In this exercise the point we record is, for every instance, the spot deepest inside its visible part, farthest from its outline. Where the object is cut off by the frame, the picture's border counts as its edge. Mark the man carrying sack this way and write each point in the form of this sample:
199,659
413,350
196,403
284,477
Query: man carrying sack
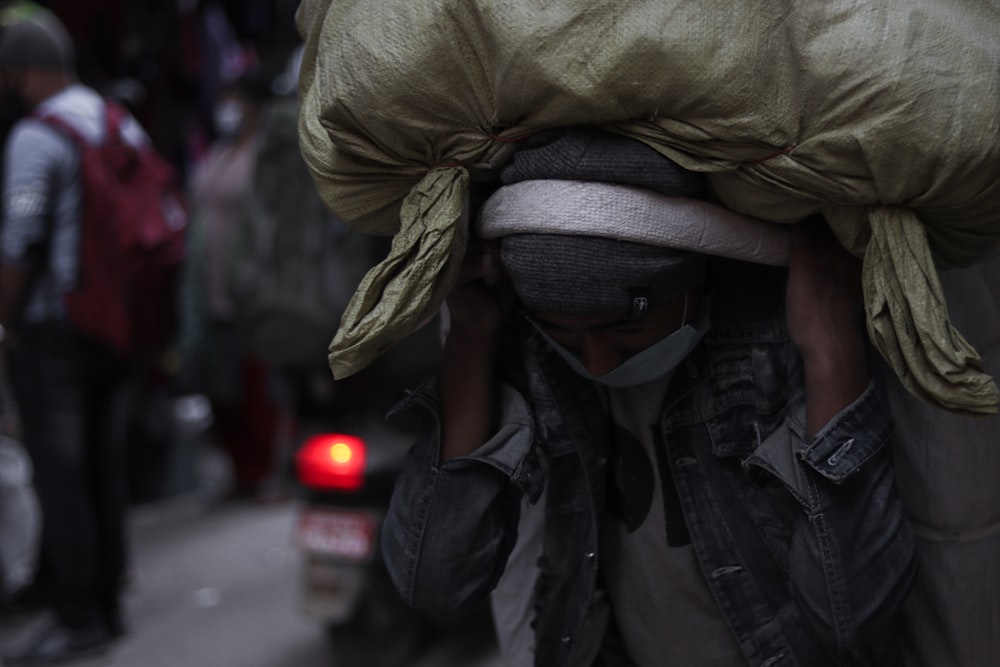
645,450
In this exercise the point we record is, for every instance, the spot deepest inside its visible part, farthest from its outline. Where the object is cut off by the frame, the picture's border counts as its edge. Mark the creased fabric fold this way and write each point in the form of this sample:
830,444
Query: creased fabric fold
858,111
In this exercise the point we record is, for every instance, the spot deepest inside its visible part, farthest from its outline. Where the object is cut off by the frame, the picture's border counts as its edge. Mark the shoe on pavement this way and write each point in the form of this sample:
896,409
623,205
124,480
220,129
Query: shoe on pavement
57,642
114,623
29,599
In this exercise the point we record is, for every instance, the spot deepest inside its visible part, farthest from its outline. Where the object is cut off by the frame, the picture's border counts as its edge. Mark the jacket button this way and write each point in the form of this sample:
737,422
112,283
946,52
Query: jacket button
566,639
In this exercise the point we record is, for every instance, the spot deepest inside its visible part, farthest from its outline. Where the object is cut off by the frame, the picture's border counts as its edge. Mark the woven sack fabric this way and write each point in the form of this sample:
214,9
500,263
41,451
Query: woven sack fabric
883,116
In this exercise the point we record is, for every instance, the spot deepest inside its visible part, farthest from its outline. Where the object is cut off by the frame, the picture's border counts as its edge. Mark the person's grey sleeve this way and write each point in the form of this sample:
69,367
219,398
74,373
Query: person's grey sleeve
31,157
451,525
852,555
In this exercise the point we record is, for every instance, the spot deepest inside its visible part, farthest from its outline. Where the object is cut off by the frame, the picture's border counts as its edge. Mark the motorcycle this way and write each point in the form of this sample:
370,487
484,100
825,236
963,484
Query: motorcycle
347,480
345,468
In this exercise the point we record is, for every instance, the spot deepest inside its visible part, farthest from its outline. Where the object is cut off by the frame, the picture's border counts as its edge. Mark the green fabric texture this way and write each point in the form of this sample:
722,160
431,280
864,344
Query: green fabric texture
404,291
883,116
907,318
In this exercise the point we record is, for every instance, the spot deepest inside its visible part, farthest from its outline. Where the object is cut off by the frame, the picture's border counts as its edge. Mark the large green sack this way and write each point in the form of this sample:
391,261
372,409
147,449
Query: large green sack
884,116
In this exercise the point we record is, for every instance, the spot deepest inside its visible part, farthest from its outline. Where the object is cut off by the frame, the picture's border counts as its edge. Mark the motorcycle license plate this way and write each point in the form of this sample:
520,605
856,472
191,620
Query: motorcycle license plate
342,533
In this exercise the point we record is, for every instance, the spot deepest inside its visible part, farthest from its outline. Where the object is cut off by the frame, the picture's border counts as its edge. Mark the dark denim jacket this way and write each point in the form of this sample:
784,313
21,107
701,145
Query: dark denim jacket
802,543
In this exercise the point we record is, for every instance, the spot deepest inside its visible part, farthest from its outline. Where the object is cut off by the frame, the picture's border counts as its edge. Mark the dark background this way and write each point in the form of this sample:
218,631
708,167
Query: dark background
168,58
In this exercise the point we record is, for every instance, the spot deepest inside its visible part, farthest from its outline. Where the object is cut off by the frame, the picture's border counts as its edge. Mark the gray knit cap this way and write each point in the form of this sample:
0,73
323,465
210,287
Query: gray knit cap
590,154
592,275
592,222
39,40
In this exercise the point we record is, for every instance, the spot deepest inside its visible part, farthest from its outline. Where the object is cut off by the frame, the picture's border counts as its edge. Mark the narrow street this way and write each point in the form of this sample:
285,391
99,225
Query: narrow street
218,586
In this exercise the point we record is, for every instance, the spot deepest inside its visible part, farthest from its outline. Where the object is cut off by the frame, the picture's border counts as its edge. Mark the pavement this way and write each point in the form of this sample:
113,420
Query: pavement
218,586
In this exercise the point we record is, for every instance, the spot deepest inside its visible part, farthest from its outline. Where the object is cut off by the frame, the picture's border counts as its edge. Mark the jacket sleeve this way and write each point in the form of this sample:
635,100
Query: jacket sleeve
451,526
851,557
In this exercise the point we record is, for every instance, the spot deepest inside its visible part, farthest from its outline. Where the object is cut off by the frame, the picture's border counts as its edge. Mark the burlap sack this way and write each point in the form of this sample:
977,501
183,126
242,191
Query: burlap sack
884,116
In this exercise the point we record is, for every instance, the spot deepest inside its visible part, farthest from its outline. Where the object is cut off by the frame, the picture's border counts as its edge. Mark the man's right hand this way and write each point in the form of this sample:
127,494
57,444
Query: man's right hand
825,321
482,297
478,306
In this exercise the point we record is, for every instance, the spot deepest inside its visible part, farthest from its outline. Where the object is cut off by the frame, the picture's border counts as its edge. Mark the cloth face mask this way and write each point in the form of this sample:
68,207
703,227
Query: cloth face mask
651,364
228,118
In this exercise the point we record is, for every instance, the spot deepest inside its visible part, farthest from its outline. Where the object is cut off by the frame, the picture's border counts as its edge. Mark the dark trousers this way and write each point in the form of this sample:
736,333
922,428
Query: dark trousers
71,397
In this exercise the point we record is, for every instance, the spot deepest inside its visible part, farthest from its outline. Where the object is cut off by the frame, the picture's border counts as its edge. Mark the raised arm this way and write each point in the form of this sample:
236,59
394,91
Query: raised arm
476,309
824,307
852,559
453,516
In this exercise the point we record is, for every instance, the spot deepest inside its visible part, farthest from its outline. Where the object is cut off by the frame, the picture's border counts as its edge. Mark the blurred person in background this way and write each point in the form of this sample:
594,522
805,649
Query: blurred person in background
216,359
70,389
11,528
291,266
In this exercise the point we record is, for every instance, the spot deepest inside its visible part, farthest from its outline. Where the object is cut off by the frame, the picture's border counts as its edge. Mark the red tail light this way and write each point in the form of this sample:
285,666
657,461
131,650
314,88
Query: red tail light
332,461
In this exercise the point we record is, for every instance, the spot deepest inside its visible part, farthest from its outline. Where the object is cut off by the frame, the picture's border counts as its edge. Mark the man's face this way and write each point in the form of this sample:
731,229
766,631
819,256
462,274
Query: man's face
10,78
602,343
12,103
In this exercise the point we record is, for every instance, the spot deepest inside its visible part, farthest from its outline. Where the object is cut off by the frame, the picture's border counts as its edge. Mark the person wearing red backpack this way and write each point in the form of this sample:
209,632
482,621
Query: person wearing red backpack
70,388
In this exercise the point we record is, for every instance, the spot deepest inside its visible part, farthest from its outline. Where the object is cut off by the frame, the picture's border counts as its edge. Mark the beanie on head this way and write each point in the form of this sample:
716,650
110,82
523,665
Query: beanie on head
587,182
592,275
39,40
592,222
590,154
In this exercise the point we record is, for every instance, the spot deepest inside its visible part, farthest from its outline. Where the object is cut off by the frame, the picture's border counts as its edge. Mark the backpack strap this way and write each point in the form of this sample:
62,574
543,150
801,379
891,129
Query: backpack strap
60,123
114,115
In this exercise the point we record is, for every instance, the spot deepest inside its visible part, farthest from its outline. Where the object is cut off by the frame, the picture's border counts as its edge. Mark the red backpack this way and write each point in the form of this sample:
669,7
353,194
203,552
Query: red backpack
132,243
